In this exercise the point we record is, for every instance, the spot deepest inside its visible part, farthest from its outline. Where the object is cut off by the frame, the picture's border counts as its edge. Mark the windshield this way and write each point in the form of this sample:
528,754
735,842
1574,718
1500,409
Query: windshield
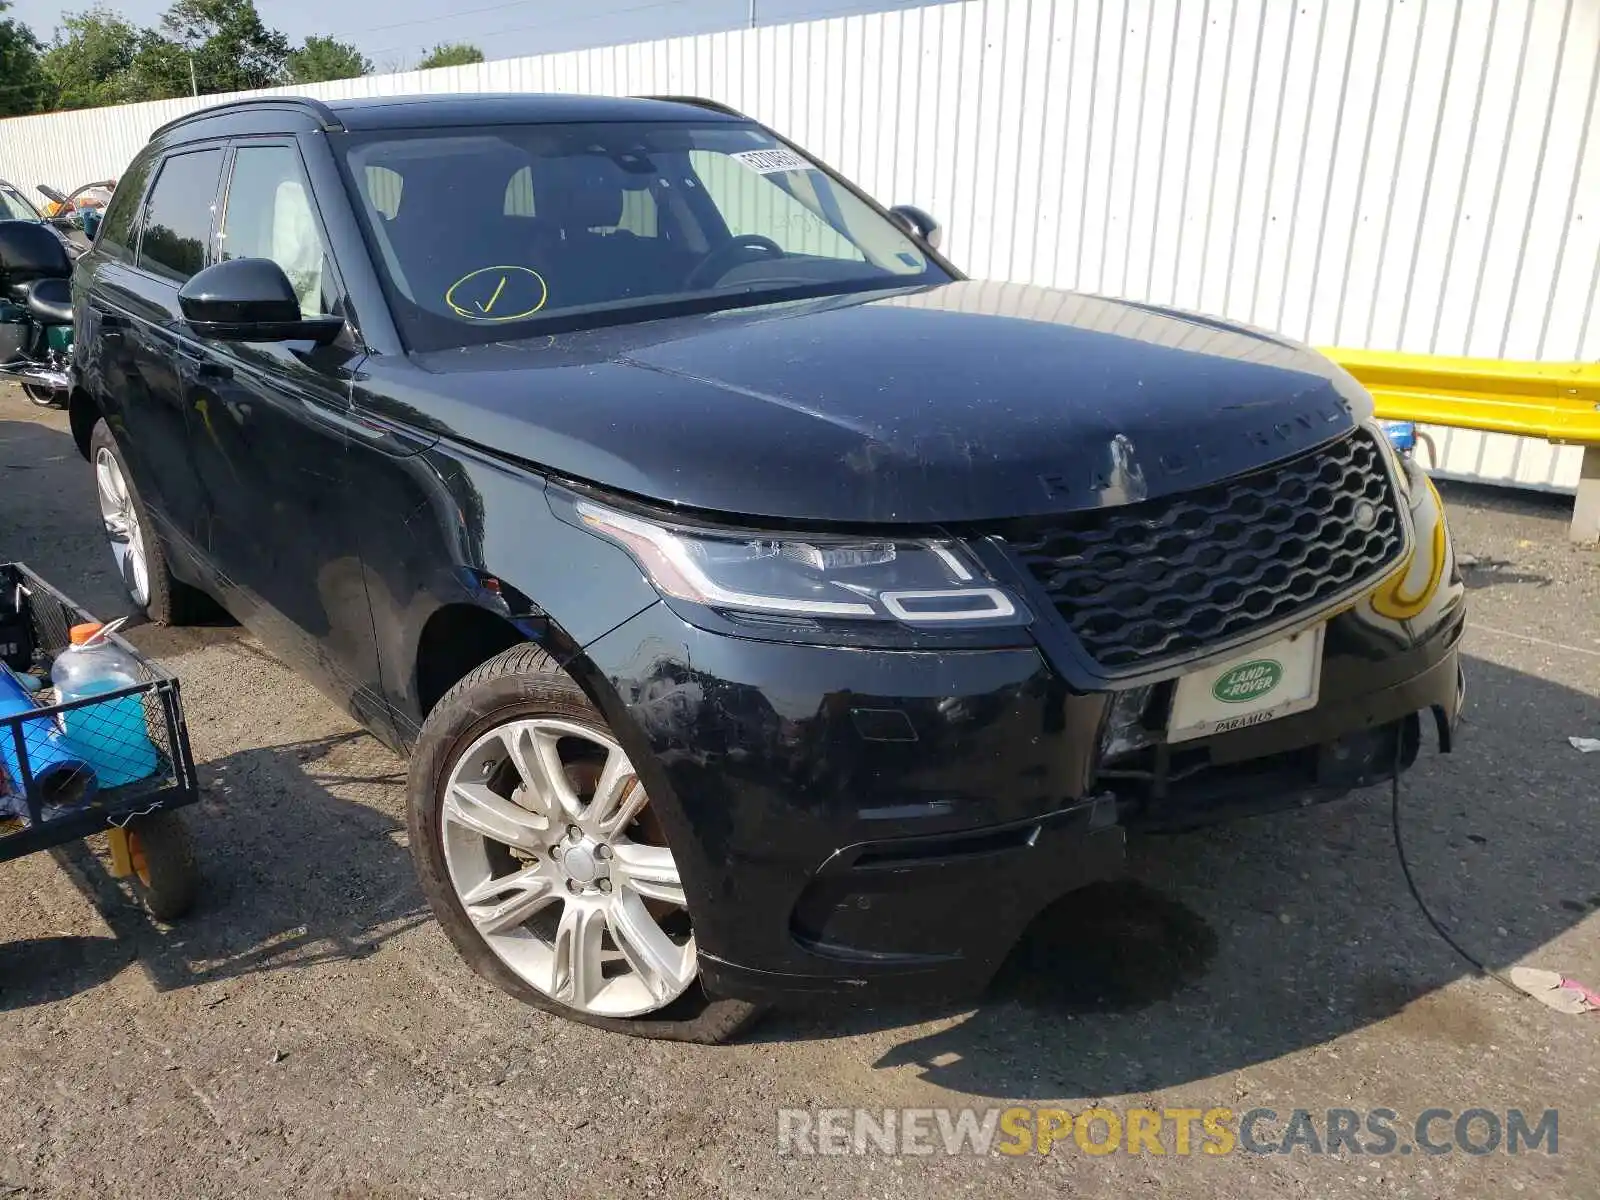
486,234
14,206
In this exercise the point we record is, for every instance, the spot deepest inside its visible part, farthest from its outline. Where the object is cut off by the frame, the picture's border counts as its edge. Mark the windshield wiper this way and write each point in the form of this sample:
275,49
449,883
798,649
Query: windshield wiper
648,309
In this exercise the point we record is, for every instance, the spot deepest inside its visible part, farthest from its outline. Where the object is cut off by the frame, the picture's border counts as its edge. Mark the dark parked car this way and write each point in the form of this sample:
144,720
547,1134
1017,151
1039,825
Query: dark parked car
767,609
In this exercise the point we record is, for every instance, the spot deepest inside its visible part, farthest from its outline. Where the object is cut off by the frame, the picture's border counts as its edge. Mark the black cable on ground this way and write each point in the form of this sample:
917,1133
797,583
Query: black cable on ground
1405,869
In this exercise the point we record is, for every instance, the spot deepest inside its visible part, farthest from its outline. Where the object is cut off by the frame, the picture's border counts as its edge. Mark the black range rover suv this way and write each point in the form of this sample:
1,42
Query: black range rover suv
766,609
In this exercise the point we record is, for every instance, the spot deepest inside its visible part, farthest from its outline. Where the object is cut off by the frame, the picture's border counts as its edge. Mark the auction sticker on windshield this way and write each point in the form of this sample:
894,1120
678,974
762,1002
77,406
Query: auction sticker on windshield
771,162
1269,682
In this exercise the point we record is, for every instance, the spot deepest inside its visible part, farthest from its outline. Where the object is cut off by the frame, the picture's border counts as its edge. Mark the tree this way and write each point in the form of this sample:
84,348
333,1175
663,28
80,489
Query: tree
223,41
24,87
323,58
451,54
89,60
160,69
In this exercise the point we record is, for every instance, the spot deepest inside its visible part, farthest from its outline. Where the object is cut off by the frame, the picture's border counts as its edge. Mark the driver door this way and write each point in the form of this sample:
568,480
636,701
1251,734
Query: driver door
266,440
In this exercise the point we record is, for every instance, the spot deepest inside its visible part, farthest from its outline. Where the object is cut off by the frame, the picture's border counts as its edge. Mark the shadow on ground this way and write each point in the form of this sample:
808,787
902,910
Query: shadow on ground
1555,507
298,871
1499,572
42,970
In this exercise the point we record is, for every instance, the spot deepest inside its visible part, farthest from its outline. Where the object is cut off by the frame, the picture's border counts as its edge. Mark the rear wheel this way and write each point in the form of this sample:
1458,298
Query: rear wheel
140,558
538,851
44,397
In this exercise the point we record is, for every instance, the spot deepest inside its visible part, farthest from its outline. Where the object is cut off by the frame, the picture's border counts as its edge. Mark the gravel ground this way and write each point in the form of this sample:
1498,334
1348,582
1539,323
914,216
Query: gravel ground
309,1031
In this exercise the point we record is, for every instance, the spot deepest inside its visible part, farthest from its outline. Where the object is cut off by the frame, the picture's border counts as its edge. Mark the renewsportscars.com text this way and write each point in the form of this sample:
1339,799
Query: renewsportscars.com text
1170,1131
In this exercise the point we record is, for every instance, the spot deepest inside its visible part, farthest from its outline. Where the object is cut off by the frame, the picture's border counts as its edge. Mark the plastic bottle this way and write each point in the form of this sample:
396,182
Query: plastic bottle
111,736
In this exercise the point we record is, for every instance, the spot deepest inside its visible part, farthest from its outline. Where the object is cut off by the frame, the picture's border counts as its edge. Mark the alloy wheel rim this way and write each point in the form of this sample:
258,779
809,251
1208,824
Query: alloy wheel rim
123,531
555,859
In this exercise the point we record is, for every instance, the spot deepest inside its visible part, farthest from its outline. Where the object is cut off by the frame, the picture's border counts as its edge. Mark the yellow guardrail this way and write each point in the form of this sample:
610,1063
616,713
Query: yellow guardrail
1559,402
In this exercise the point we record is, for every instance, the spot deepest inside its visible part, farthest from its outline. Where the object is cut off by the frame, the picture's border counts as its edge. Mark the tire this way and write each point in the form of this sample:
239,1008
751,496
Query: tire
142,560
44,397
166,876
511,704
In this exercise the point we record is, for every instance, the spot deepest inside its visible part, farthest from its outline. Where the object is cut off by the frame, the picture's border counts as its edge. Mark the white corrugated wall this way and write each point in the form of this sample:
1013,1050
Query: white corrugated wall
1421,175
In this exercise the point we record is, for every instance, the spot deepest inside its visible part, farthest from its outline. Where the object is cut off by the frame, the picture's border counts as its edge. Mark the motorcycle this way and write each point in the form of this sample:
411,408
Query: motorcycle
35,311
37,254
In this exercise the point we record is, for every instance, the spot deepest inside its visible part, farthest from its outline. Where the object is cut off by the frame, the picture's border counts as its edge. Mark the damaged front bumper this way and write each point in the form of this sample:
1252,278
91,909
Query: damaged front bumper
881,825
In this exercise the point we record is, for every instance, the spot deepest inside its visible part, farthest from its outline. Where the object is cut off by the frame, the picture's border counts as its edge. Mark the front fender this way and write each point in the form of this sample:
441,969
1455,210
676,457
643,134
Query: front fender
450,525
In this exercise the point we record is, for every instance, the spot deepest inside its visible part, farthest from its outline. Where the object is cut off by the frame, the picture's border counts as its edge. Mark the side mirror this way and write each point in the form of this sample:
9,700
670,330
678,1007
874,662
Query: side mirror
67,221
250,300
917,223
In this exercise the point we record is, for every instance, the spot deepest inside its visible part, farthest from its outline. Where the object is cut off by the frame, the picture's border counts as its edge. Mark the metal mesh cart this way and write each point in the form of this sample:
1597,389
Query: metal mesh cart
118,760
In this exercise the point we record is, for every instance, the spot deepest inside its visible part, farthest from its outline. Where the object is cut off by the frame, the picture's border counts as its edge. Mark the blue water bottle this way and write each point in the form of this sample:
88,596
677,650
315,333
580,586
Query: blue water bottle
111,736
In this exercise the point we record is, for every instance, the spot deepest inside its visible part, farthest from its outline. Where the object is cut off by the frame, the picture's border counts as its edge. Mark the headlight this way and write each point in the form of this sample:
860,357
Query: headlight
916,582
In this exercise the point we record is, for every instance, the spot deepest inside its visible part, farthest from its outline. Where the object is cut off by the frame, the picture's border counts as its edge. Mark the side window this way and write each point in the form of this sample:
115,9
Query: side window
752,203
269,215
177,217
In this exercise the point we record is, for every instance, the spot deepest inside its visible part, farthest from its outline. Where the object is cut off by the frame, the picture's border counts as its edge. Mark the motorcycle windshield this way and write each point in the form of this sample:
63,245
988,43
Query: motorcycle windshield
14,206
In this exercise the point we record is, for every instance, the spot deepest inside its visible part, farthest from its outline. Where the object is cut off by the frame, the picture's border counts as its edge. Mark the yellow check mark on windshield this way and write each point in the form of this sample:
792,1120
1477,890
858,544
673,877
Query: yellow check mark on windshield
483,308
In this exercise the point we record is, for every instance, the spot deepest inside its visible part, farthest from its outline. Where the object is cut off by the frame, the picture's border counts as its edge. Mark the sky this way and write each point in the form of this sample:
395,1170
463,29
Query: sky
394,34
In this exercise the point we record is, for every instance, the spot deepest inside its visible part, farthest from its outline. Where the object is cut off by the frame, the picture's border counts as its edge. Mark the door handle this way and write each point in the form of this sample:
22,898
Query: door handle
202,365
113,325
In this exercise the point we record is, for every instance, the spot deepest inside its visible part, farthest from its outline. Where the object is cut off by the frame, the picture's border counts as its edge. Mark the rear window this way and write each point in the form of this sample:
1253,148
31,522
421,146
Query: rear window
177,217
480,232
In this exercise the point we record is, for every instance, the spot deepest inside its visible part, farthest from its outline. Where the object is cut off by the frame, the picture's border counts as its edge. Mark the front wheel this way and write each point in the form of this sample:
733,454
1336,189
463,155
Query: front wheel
537,849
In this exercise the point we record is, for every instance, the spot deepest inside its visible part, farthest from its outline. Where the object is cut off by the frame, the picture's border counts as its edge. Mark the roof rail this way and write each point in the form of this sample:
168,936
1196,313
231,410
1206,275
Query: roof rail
698,102
324,115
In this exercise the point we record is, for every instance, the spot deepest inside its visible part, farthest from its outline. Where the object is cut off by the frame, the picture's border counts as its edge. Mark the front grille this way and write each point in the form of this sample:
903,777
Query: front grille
1164,578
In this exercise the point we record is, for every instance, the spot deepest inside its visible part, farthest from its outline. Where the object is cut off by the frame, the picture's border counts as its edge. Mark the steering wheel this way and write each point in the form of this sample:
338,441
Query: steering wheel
730,254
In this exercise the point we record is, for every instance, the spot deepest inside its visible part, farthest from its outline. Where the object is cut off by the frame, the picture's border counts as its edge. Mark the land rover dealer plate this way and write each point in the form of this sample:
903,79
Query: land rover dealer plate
1270,682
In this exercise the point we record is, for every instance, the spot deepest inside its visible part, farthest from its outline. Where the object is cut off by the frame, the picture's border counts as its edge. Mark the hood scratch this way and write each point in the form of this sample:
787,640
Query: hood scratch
857,427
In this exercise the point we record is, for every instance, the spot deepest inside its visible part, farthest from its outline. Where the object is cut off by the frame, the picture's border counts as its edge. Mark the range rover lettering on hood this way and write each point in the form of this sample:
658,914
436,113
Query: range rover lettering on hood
1124,479
962,402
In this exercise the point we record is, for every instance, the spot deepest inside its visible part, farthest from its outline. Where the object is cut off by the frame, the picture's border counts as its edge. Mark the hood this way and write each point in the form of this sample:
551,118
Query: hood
963,402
